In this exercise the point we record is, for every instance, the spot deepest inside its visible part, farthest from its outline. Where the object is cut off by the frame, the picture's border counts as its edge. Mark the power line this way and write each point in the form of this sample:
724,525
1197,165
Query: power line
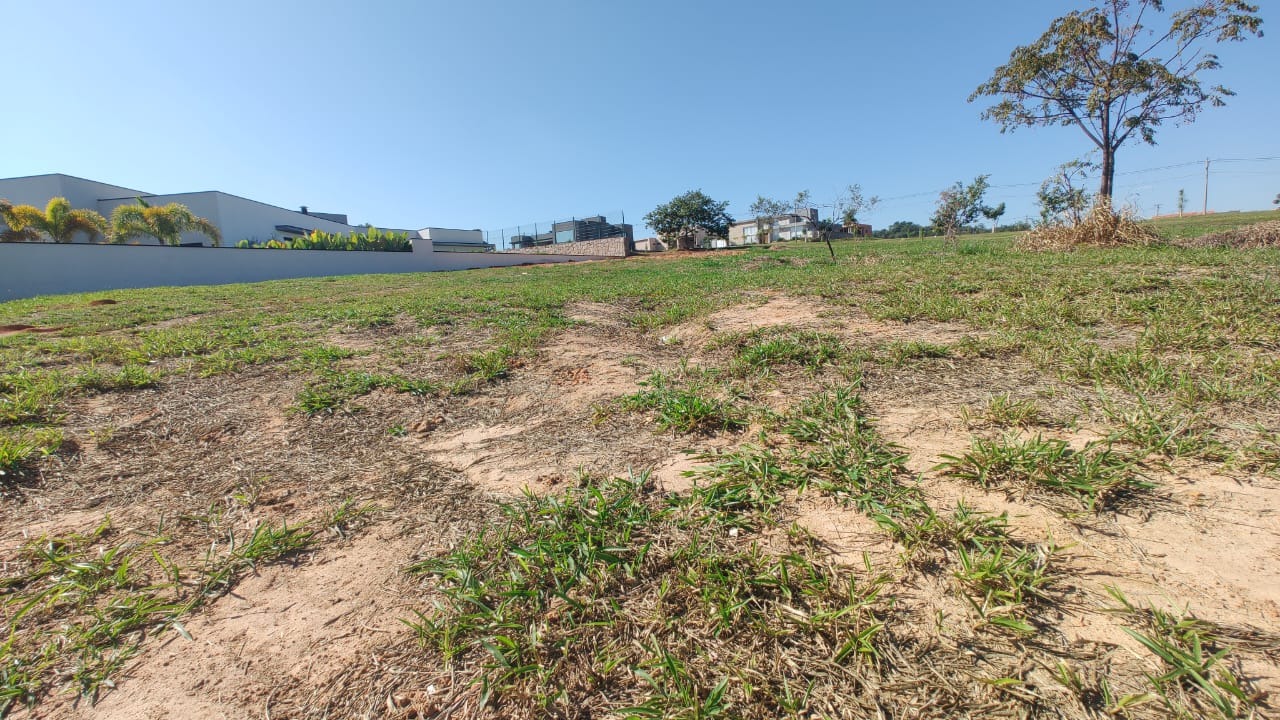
1261,159
1140,171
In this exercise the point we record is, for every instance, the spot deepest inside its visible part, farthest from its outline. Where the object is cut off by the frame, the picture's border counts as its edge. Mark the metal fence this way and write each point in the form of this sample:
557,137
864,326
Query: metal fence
567,229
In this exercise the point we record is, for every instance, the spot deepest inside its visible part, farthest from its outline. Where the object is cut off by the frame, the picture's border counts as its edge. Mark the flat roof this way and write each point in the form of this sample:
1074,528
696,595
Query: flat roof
73,177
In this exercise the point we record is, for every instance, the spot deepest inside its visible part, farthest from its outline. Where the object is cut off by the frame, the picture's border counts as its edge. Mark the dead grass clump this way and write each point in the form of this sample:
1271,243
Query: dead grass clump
1102,227
1260,235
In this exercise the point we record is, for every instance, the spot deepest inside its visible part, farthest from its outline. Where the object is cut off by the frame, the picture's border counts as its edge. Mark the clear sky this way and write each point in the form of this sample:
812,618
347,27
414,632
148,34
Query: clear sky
479,113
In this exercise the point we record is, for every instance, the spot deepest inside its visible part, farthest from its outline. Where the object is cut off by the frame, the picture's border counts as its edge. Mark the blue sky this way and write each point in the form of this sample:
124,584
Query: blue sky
489,114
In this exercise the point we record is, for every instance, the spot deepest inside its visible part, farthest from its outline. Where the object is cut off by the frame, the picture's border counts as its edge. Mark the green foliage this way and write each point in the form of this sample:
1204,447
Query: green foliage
993,214
17,447
372,239
836,450
58,222
165,223
767,211
334,388
1061,198
853,202
648,586
683,410
1104,71
1197,680
760,351
686,214
1003,410
959,205
900,229
1097,476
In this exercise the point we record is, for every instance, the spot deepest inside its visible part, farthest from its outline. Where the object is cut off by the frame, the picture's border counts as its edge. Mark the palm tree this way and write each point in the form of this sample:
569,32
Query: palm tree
165,223
58,222
9,234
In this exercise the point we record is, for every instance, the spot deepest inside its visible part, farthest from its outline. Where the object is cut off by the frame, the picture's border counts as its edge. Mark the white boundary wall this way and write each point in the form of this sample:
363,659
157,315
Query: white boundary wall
32,269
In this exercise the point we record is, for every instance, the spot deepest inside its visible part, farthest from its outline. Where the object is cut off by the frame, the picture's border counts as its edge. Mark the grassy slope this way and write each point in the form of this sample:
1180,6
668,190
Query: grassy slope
1044,306
1192,226
1205,328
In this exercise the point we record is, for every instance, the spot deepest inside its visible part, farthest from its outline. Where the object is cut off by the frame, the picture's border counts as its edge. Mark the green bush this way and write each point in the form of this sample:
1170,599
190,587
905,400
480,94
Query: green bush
373,240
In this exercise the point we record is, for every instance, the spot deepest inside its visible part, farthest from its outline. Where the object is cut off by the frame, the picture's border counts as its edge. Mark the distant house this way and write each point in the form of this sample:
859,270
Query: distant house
791,226
650,244
576,230
452,240
856,230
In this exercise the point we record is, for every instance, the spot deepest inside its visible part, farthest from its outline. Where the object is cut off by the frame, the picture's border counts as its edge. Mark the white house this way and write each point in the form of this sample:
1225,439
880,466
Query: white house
791,226
238,218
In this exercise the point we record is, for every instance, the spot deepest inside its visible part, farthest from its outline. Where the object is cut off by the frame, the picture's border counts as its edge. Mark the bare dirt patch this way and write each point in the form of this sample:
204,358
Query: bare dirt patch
845,533
285,628
774,310
543,427
15,329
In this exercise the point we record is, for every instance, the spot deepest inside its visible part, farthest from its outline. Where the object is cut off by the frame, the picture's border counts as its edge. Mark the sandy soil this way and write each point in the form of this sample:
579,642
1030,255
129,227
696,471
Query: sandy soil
324,633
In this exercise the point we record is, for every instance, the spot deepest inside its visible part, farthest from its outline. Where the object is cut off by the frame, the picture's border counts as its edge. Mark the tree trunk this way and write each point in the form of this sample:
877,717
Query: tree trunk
1108,172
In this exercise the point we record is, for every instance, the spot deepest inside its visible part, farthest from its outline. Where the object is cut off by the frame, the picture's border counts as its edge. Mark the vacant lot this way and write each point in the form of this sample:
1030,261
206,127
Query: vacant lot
921,480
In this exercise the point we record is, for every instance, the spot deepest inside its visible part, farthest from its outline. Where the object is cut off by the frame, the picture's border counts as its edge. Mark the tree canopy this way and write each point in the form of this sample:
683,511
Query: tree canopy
165,223
686,214
767,211
57,222
900,229
959,205
1104,71
853,202
993,214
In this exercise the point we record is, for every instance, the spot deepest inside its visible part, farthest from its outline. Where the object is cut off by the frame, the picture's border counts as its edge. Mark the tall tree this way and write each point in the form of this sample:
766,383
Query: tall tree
685,215
1104,71
58,222
766,211
165,223
959,205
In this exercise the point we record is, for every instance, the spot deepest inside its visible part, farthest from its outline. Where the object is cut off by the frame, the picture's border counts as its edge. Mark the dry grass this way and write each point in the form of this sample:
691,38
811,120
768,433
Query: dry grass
1261,235
1102,227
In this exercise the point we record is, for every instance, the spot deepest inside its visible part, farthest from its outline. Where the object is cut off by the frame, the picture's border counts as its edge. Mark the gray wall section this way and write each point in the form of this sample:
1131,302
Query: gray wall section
32,269
604,247
38,189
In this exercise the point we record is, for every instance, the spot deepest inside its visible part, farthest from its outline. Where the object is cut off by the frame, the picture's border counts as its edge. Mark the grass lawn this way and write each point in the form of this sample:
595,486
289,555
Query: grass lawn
921,480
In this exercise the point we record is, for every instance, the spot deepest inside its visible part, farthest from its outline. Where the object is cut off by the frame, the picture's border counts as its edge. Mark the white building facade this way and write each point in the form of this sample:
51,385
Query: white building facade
792,226
236,217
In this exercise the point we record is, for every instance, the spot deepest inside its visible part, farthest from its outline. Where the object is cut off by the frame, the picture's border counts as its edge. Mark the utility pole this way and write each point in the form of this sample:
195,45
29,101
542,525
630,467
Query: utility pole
1206,187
